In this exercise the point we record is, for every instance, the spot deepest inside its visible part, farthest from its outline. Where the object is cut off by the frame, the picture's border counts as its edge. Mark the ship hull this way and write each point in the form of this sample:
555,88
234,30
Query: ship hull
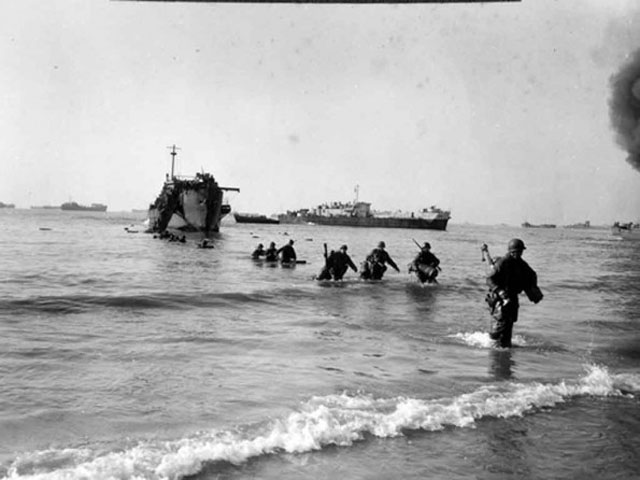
254,219
368,222
198,210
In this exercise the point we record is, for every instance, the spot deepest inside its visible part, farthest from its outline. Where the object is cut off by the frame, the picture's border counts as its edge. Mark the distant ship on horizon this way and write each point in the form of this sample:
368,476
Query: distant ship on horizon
75,206
7,205
586,224
542,225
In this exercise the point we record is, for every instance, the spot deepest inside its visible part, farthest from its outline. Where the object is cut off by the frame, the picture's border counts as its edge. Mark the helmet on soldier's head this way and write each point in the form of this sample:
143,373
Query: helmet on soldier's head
343,247
515,245
381,245
426,245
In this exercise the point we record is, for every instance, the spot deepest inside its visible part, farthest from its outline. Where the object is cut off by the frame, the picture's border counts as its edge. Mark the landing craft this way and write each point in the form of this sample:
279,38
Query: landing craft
193,204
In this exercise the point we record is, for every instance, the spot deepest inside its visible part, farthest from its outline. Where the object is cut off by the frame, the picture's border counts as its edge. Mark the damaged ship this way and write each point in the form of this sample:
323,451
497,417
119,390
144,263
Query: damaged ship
189,204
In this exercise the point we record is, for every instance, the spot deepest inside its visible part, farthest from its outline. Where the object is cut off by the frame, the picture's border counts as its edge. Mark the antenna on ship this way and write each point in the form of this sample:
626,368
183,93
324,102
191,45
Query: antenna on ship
173,157
357,190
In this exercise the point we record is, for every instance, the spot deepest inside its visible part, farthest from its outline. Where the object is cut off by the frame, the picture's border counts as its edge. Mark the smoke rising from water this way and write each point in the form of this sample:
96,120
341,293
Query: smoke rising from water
624,108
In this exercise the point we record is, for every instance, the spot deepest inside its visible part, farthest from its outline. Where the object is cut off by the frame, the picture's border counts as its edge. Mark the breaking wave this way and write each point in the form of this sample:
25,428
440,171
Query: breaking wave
333,420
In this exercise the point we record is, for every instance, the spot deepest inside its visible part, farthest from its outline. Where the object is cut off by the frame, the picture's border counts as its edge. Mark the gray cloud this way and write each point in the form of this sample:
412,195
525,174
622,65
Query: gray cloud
624,108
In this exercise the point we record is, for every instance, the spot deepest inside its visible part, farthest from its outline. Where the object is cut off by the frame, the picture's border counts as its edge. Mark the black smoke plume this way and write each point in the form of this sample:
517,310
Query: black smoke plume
624,108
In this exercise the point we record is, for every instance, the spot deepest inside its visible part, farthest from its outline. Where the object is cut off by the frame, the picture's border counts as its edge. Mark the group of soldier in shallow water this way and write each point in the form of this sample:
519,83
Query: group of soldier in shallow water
286,254
337,262
508,276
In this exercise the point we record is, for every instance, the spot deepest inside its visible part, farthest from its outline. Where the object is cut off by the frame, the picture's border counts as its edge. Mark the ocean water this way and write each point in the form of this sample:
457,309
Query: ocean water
123,356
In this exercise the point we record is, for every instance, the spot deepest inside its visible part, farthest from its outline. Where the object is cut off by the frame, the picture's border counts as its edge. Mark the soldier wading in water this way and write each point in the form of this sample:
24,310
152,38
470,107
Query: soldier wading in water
374,266
425,265
510,275
336,264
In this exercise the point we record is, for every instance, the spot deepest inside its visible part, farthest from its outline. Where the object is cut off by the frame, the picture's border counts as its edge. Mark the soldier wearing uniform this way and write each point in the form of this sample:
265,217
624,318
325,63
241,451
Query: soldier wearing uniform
510,276
425,265
374,266
337,264
258,252
287,253
271,254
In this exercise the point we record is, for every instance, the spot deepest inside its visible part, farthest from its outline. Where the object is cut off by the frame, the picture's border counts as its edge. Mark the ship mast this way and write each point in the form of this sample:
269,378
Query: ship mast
173,157
357,190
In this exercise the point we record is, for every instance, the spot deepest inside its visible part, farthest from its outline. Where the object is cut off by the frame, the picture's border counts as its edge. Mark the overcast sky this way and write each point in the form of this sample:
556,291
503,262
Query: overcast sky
498,111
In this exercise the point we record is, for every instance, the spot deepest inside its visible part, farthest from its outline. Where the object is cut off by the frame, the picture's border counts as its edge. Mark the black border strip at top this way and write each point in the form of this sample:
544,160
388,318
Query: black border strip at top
327,1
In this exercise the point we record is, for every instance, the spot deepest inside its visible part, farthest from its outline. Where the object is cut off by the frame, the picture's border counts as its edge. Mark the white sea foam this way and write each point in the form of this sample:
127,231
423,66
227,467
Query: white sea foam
329,420
475,339
483,340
